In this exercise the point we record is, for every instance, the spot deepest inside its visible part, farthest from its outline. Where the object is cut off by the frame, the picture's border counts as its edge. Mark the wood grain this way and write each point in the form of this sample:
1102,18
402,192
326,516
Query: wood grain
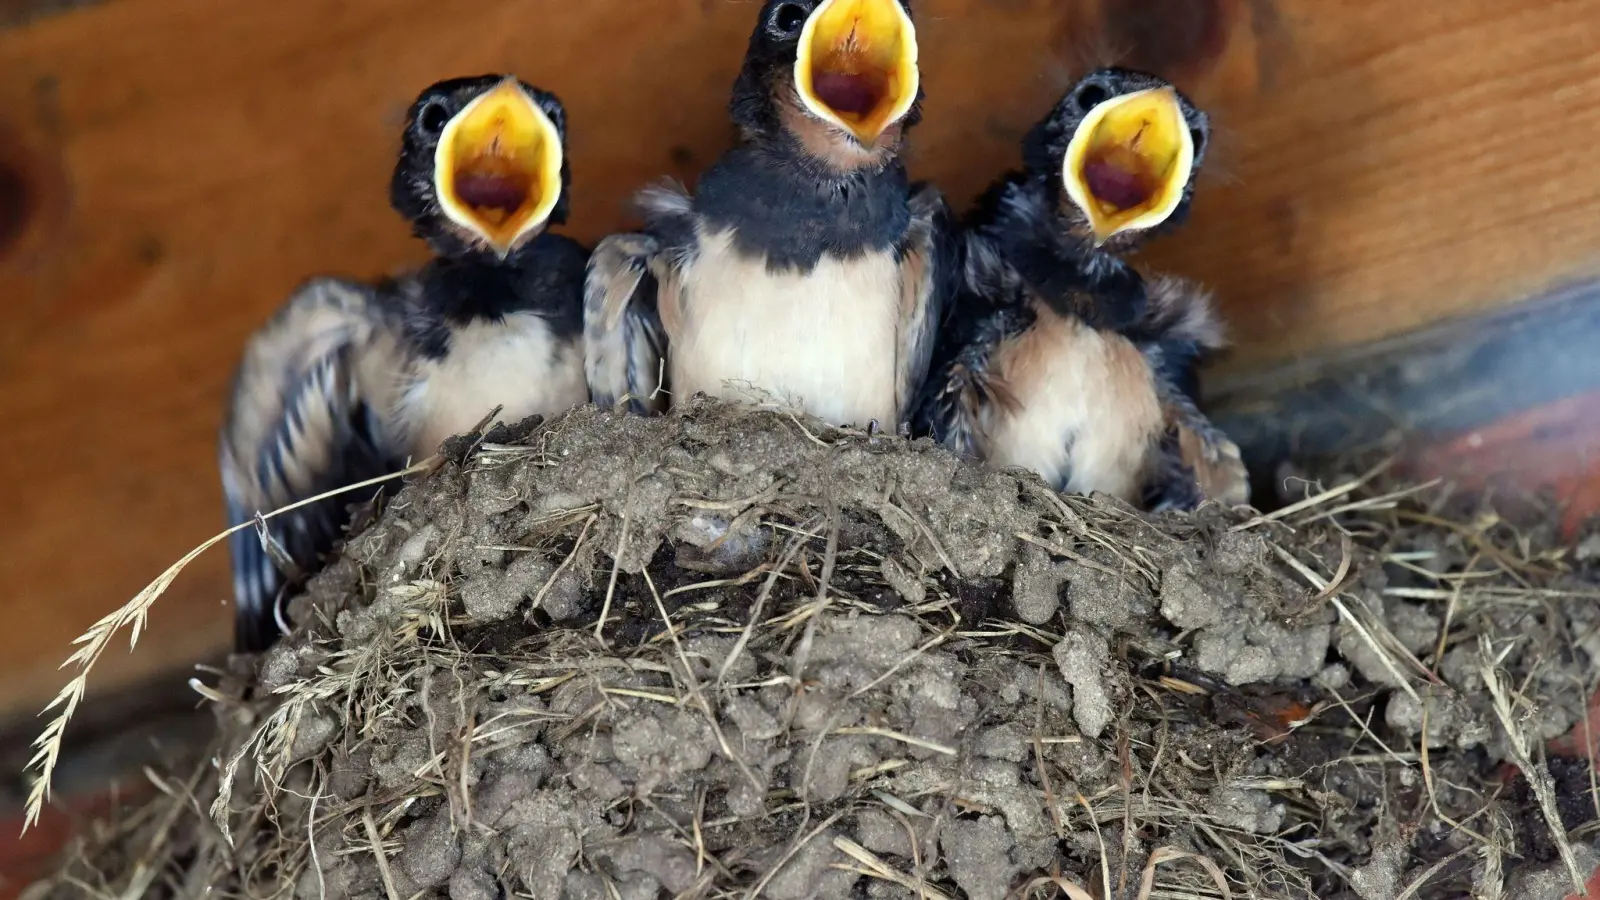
174,168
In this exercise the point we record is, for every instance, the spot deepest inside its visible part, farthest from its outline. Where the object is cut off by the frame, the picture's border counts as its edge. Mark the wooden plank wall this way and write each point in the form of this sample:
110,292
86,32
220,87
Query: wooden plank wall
169,169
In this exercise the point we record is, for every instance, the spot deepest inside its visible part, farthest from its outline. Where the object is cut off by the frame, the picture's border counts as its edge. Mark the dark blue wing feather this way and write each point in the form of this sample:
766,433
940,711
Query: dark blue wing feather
301,421
624,342
987,308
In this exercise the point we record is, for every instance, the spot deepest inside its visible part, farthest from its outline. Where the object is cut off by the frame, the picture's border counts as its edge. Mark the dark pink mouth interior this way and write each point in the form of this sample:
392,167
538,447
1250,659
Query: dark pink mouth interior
492,191
1115,185
855,95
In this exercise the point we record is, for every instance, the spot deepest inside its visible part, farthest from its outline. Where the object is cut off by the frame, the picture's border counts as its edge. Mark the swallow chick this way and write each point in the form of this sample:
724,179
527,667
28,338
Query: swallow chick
349,380
804,269
1058,356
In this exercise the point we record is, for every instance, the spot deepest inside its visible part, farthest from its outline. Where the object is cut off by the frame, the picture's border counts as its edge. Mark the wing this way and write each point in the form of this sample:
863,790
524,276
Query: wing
930,264
304,417
624,351
630,285
1196,461
988,307
1178,332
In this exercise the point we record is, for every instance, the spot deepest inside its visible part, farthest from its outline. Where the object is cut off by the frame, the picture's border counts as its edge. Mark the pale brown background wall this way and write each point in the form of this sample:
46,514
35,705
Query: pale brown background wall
169,169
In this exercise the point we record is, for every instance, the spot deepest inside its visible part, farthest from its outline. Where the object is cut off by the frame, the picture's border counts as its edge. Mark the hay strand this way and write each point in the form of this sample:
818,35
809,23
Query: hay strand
877,669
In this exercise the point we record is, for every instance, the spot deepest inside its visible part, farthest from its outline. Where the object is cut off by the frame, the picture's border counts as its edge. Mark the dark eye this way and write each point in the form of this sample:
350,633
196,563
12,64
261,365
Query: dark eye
1092,95
433,117
789,18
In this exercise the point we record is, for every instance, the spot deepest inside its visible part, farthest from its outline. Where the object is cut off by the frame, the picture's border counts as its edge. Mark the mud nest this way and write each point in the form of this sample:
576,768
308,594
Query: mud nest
835,664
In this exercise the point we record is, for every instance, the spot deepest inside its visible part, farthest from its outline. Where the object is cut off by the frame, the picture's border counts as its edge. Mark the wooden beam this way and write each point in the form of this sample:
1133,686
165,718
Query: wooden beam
1501,399
170,169
1432,383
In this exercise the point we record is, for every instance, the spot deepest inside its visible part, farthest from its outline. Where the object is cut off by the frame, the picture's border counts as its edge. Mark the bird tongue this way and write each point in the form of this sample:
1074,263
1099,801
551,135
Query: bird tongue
851,94
1116,185
492,191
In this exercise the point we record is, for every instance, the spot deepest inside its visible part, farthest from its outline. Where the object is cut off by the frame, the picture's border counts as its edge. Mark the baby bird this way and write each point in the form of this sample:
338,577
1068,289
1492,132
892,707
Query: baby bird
1060,357
804,270
349,380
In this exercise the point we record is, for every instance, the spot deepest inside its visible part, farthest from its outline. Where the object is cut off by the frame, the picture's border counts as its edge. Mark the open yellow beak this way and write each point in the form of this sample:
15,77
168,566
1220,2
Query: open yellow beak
498,167
1129,162
857,65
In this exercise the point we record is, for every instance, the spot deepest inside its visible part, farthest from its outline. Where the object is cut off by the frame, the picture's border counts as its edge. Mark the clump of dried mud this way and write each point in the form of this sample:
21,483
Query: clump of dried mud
834,664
